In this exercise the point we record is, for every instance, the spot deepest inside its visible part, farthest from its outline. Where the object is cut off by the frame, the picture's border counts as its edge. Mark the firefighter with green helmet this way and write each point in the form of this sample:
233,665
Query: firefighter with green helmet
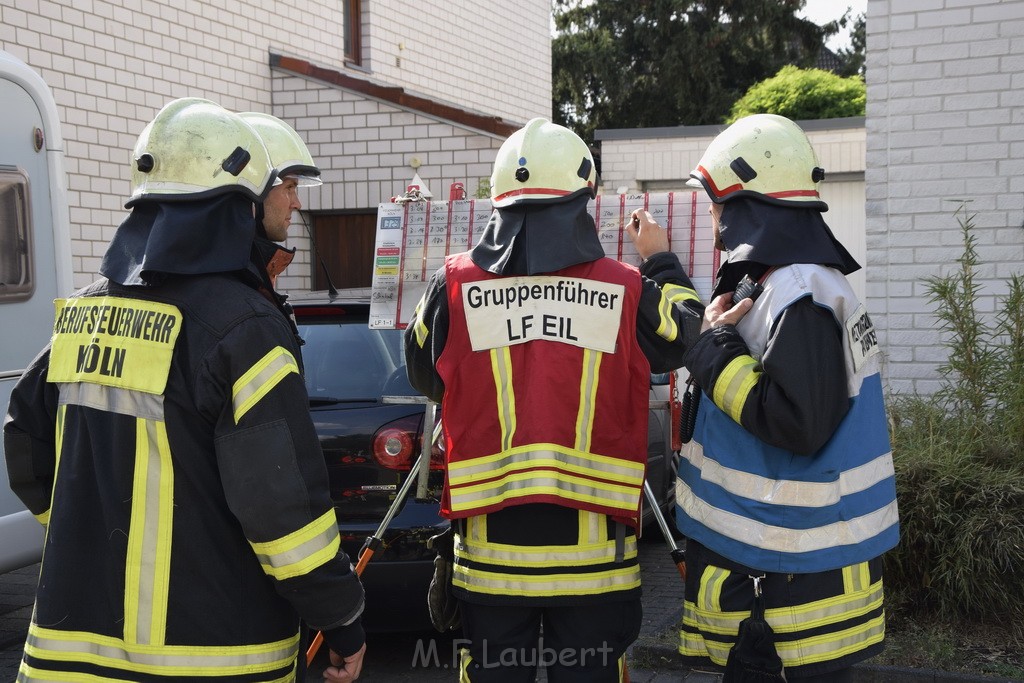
786,491
163,438
539,350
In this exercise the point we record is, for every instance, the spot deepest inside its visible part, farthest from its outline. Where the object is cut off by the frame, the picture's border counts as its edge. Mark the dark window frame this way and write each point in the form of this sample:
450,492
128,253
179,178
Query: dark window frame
352,16
17,268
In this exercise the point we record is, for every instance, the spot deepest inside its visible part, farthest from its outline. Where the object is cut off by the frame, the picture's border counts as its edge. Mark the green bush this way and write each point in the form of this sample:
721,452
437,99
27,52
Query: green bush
959,459
803,94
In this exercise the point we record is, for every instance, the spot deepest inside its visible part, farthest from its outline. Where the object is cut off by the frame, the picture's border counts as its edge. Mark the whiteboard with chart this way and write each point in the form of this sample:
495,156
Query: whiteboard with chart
413,239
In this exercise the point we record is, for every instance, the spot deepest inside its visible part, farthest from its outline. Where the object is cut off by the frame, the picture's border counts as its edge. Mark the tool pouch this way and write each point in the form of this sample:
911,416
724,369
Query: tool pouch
754,659
443,605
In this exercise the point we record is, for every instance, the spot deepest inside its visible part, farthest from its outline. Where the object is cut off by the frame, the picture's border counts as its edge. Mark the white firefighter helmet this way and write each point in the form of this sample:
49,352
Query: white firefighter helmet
288,152
542,162
763,156
195,148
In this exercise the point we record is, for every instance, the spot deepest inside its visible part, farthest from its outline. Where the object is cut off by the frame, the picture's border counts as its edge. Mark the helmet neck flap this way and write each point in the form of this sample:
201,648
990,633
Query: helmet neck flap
212,235
530,239
757,232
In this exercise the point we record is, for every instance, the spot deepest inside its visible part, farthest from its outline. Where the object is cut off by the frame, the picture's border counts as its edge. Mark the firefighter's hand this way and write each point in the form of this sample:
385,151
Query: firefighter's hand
649,237
345,669
722,312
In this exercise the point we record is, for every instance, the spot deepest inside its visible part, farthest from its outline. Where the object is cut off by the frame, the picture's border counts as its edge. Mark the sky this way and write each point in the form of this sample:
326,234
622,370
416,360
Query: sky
824,11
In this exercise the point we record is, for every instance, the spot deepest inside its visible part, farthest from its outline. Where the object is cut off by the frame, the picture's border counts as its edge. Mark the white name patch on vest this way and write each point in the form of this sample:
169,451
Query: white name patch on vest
584,313
860,335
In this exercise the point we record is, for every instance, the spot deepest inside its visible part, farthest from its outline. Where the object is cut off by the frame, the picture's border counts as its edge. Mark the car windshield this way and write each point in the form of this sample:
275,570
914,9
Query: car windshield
349,362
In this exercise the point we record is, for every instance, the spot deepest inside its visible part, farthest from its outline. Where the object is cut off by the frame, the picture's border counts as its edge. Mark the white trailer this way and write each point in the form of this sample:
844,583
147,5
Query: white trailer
35,260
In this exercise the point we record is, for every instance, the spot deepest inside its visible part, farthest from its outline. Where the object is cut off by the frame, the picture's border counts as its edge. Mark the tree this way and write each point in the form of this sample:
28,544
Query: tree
853,57
651,63
803,94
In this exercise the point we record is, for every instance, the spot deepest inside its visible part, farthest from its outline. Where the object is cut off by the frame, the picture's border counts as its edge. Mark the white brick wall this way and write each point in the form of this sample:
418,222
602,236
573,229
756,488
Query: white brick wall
367,159
945,121
494,56
113,63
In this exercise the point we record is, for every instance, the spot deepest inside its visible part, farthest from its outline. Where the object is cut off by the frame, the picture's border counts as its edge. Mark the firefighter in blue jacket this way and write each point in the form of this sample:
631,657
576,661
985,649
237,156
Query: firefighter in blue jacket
539,349
788,481
163,438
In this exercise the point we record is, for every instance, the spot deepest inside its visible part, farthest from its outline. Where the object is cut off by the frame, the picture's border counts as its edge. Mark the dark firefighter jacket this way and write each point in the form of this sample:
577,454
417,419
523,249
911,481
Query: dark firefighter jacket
163,437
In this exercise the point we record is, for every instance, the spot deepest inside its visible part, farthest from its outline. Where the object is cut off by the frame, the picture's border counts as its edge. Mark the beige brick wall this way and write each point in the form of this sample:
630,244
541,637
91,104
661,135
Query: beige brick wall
113,63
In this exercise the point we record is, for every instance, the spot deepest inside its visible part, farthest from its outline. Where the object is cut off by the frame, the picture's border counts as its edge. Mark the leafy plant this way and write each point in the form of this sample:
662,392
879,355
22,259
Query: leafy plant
960,465
803,94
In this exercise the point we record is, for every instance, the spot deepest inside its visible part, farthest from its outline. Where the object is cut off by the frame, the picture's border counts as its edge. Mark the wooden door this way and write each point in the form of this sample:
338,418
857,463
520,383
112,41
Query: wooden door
345,242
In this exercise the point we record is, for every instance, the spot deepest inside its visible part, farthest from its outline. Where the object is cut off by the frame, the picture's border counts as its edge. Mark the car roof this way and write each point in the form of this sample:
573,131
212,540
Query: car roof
355,295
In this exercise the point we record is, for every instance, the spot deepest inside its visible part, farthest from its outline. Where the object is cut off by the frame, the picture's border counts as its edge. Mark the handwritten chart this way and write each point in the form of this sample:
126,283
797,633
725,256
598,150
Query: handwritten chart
413,239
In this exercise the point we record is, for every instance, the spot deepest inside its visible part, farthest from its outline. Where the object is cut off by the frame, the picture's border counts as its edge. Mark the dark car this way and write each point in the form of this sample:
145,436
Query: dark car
370,423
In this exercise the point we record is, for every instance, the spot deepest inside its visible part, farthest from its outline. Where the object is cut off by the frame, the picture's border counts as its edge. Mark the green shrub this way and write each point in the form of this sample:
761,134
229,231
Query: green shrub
803,94
959,459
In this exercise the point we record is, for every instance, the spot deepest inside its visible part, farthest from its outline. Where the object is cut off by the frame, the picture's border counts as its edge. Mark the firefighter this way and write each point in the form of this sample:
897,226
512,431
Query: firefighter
539,350
787,485
295,168
163,438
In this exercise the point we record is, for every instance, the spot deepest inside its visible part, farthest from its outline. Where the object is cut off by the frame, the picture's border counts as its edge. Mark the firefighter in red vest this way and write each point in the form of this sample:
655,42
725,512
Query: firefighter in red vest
540,350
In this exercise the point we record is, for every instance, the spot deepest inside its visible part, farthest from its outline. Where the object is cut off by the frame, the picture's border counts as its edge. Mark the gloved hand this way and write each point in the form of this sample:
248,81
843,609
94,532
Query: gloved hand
443,605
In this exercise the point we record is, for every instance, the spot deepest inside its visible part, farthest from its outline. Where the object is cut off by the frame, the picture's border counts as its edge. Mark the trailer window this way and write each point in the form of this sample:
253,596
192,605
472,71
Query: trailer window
16,281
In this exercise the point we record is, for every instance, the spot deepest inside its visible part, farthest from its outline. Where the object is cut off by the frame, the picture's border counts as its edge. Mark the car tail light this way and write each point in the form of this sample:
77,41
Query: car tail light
396,445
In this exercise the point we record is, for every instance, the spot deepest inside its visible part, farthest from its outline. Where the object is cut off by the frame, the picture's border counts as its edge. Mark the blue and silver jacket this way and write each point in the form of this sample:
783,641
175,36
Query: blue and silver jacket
790,468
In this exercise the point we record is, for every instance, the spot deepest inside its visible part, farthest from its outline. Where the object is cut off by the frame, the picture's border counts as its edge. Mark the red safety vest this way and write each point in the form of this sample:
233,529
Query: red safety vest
546,390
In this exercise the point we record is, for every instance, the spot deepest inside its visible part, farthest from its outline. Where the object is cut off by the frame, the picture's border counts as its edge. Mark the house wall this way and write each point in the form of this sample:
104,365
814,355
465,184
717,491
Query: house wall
945,123
489,56
367,150
113,63
660,160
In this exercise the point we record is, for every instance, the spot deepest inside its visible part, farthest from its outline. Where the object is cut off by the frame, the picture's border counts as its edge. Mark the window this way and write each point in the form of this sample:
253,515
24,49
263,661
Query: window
15,236
353,19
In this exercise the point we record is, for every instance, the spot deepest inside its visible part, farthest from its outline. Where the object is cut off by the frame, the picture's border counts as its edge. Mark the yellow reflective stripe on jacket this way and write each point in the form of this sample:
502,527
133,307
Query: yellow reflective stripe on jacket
671,295
667,327
501,367
593,527
677,293
148,561
260,379
166,660
58,440
544,555
813,618
734,384
588,398
527,586
544,482
547,455
302,550
465,661
418,326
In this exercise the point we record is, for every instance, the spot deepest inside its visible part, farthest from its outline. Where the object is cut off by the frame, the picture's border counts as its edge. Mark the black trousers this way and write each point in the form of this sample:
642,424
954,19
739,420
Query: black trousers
575,644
